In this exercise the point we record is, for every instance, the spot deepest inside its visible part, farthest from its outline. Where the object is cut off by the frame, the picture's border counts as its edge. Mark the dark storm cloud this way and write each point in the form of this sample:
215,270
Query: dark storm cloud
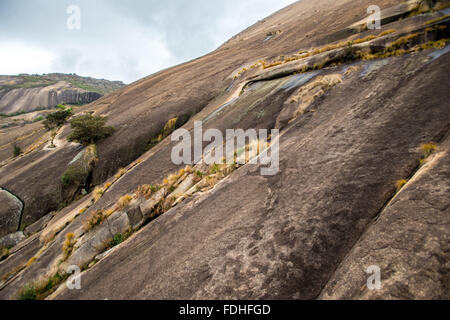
123,40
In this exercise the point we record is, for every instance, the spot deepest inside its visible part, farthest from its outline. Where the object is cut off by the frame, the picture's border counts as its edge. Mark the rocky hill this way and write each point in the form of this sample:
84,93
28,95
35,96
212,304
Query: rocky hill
26,93
363,177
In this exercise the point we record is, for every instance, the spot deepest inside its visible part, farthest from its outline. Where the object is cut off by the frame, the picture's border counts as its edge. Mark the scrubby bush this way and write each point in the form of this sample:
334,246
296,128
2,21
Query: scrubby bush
98,217
17,151
145,191
98,193
41,290
88,129
117,239
57,119
428,149
40,118
28,293
68,244
124,201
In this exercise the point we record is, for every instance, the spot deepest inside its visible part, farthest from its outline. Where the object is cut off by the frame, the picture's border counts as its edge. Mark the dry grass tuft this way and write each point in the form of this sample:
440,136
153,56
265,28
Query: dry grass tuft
31,261
98,193
120,173
365,39
437,20
428,149
145,191
97,218
124,202
68,245
385,33
400,184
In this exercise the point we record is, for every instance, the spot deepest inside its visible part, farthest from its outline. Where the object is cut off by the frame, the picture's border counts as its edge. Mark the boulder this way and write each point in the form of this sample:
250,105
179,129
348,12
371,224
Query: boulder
118,223
10,211
98,239
91,247
148,206
75,177
135,216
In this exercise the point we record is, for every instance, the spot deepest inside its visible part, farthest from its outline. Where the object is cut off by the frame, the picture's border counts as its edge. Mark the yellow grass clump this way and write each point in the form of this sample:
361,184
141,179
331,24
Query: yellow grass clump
124,201
31,261
385,33
437,20
68,244
400,184
98,193
428,149
120,173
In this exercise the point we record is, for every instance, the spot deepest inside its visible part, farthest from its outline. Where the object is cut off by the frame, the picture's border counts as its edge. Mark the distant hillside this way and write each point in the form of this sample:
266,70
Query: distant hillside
26,93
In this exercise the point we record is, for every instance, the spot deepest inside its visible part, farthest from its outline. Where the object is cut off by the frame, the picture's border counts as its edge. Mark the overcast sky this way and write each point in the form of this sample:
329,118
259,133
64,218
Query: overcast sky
118,39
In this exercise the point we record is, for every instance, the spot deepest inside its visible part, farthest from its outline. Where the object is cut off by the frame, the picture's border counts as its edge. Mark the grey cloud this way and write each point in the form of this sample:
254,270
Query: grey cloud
125,40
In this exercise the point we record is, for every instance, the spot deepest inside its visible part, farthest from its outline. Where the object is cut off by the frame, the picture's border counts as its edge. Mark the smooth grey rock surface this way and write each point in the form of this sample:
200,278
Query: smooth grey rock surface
10,212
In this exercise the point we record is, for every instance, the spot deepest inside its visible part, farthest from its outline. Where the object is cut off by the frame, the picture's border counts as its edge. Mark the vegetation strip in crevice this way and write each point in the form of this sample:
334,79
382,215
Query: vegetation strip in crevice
198,179
406,43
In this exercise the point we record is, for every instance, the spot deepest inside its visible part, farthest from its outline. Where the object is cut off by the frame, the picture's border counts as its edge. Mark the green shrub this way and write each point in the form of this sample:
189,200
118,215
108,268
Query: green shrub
17,150
40,118
199,174
117,239
41,290
214,168
28,293
57,119
88,129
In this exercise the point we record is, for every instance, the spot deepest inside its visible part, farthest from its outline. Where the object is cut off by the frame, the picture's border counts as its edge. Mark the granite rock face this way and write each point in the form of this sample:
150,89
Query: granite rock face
408,243
351,127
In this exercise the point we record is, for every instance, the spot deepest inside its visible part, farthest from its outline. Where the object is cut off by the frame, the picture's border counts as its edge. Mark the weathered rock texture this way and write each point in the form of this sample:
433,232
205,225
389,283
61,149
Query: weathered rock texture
10,212
408,242
350,129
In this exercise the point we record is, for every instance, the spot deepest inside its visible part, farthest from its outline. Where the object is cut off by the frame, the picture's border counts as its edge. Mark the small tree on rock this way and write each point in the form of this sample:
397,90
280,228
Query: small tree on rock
55,121
88,129
17,150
